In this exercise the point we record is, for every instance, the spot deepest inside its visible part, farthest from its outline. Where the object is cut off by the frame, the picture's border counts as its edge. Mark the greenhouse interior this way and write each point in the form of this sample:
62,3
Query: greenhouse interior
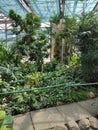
48,64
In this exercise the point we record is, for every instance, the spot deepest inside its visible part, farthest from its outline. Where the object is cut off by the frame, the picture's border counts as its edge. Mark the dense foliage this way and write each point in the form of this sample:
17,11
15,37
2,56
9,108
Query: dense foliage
88,46
31,40
63,38
51,83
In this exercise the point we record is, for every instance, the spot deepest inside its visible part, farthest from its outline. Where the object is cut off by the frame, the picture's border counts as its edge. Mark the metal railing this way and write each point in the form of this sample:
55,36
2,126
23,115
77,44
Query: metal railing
49,87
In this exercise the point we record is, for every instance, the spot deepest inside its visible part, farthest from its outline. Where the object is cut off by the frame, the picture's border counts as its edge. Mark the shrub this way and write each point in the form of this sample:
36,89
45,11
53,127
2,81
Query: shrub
88,46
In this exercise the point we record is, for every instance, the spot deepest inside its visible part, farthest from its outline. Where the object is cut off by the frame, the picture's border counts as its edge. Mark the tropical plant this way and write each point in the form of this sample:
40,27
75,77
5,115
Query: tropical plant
70,28
34,79
39,49
88,46
32,41
63,37
5,55
55,19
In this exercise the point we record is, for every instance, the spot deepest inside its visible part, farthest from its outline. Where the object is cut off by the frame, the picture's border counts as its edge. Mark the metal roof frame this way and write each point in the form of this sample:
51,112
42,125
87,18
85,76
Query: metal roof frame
47,8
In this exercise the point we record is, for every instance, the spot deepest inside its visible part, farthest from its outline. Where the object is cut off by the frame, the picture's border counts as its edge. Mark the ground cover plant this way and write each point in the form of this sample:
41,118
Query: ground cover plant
32,43
16,103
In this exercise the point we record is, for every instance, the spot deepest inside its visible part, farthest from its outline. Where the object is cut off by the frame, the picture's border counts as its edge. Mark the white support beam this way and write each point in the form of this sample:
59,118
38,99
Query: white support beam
25,5
95,9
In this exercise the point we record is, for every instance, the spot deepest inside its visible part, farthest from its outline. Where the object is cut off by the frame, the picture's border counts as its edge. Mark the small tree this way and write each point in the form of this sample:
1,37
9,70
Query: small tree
69,36
38,51
88,46
31,40
63,37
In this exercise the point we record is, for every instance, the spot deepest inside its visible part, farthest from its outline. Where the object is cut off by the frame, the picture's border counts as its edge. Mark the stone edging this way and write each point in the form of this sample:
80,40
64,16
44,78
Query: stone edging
90,123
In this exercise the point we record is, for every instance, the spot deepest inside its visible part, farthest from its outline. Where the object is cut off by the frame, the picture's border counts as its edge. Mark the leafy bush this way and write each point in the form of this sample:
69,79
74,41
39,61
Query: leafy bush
27,68
32,40
37,99
50,67
17,76
17,102
33,80
88,46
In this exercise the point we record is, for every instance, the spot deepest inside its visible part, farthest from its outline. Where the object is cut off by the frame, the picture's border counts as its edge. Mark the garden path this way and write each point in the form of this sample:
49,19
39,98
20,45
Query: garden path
60,115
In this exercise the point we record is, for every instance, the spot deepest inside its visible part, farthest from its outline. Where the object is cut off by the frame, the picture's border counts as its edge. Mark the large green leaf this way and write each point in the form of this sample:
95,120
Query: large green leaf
2,117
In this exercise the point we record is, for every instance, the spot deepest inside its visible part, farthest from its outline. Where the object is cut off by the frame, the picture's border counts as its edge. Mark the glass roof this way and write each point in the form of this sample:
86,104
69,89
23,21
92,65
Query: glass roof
76,7
44,8
47,8
6,5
